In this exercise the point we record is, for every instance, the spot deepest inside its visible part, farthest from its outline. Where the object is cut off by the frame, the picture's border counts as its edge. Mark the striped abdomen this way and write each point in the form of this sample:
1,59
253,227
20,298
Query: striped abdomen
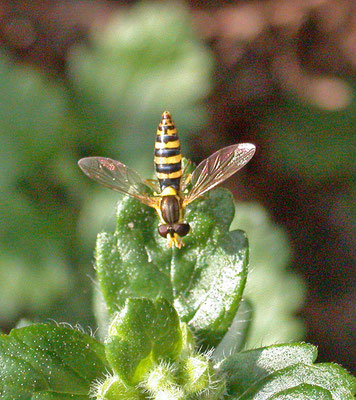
168,159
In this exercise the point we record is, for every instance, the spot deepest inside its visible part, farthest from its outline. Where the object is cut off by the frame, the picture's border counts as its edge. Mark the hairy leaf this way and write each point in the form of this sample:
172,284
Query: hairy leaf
284,371
143,333
204,280
46,362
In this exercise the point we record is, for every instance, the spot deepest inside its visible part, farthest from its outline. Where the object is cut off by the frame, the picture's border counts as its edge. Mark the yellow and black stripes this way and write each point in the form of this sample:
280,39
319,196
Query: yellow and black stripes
167,154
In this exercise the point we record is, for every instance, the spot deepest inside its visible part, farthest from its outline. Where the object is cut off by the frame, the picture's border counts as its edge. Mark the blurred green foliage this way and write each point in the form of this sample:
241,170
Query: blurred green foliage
144,62
35,223
274,292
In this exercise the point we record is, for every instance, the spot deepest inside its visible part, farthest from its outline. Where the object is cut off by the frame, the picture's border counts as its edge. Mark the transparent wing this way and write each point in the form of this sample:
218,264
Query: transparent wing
153,184
117,176
186,177
218,167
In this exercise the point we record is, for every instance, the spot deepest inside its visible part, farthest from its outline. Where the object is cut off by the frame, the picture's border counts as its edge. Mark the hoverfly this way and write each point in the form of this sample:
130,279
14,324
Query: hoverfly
174,189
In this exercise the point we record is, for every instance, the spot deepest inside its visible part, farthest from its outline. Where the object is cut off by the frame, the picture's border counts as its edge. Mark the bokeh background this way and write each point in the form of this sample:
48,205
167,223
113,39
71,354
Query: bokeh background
81,78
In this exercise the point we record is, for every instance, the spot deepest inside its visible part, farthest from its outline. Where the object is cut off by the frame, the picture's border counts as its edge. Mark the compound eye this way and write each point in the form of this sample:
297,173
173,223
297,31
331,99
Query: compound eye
181,229
163,230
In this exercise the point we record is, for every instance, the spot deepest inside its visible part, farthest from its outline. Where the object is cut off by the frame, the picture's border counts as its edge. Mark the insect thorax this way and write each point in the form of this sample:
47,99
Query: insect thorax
170,209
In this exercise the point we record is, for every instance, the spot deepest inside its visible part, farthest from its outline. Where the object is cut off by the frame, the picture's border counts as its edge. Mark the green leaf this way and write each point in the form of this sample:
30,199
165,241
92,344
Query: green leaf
235,338
113,388
299,393
56,396
142,334
46,362
275,371
204,280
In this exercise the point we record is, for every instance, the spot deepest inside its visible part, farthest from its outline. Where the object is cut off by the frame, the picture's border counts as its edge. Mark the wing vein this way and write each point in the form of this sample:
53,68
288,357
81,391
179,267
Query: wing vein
118,177
217,168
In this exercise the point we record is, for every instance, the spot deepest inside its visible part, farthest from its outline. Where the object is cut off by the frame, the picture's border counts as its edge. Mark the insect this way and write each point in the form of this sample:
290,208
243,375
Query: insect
174,189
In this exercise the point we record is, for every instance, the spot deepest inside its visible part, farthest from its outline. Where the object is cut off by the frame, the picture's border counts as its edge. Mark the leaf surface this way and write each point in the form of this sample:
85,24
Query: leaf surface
204,280
142,334
47,362
284,371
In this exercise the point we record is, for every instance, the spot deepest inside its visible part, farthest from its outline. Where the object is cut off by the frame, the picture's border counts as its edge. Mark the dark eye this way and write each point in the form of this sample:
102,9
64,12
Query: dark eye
181,229
163,230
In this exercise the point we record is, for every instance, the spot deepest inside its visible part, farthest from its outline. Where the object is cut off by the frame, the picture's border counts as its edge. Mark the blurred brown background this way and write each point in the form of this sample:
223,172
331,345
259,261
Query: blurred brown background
284,79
